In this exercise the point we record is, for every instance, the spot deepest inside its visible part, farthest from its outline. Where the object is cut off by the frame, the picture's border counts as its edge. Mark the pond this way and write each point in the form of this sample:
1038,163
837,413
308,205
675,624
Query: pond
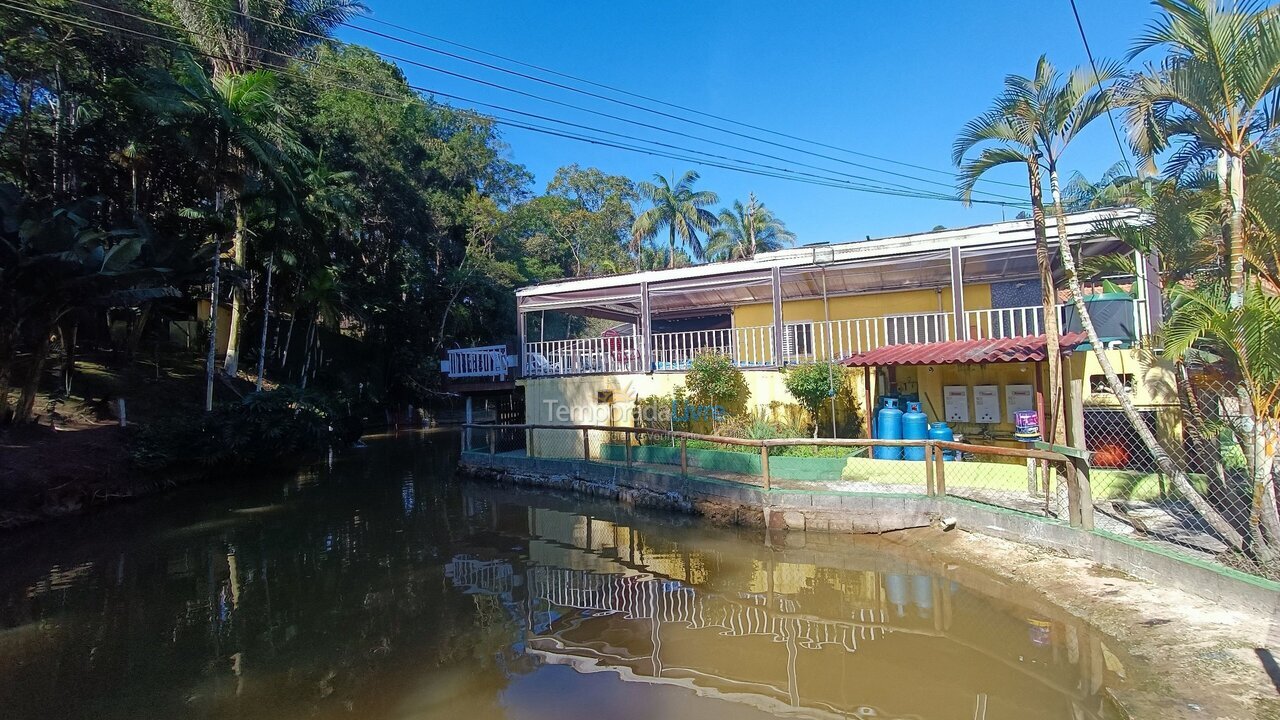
379,585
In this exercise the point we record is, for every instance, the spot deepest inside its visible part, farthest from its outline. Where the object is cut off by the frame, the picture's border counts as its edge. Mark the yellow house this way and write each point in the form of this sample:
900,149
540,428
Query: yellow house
952,318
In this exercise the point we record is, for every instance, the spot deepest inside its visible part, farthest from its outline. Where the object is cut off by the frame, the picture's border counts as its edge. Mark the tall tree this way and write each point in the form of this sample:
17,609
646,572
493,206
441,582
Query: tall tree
1010,131
1215,91
678,208
241,37
1063,107
745,231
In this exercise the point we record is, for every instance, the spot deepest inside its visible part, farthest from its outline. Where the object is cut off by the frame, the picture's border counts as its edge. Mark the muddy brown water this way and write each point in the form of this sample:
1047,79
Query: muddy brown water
379,585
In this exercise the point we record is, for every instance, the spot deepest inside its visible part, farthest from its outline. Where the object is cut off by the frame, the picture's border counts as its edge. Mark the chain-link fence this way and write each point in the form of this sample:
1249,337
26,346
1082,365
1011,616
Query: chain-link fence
1214,497
1012,477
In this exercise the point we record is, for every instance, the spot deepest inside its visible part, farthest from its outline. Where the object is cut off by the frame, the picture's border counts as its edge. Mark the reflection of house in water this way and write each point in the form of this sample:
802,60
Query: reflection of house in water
785,637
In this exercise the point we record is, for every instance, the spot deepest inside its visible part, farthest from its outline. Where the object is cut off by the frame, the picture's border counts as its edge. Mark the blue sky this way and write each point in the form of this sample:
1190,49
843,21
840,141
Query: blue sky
892,79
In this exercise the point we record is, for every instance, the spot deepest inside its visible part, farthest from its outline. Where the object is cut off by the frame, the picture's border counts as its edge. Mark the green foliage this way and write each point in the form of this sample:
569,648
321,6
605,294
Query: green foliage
264,430
713,379
745,231
814,385
678,208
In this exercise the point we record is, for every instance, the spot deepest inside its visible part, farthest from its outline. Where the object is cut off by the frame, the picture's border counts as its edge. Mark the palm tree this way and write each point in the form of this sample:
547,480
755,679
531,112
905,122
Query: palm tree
745,231
1010,129
1216,90
677,207
1062,109
241,37
250,137
1242,344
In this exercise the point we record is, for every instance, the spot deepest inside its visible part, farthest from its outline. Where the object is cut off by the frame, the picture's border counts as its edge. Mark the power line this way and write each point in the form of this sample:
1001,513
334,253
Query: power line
771,170
635,106
580,108
647,98
1115,132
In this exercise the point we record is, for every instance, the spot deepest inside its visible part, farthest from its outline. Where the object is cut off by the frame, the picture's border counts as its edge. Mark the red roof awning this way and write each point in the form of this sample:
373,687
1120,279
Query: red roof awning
958,352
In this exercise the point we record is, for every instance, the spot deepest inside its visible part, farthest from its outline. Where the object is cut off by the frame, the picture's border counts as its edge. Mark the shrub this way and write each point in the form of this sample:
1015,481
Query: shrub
264,429
814,385
713,380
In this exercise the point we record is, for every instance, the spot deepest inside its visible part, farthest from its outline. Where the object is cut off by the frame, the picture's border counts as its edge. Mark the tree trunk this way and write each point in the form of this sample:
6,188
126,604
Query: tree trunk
266,321
1049,298
1162,459
8,335
1235,242
671,259
31,384
231,364
211,361
70,331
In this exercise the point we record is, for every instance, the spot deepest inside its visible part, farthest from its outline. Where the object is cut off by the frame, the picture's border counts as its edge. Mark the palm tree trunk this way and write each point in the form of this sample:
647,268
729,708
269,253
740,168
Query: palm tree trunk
671,259
1235,241
211,360
266,321
231,363
1162,459
1049,298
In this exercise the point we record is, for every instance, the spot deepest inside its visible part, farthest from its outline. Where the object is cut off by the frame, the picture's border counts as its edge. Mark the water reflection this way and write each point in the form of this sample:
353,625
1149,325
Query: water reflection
377,587
777,635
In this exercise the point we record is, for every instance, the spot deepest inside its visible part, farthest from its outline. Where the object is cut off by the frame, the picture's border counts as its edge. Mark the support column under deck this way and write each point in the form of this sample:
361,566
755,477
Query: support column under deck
957,296
776,283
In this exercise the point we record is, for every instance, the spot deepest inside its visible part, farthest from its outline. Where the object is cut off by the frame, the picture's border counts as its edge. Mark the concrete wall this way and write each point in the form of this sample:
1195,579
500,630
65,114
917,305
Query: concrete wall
839,512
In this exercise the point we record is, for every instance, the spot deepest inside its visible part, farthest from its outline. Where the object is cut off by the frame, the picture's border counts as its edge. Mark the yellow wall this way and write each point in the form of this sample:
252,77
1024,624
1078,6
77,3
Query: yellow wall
976,297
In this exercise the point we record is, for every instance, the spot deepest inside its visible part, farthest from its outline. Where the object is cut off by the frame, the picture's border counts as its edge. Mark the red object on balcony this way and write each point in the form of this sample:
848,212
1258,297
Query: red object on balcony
956,352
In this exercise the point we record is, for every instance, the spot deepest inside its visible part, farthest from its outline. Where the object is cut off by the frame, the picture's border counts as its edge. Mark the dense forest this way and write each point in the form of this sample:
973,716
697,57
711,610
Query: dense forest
154,155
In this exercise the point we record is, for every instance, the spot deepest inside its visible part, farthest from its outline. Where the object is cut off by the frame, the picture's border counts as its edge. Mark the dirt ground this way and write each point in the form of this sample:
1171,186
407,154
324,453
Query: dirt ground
75,455
1202,660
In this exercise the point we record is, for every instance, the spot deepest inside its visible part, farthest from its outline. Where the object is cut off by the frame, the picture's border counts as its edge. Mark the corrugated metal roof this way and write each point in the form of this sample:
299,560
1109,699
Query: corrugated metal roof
957,352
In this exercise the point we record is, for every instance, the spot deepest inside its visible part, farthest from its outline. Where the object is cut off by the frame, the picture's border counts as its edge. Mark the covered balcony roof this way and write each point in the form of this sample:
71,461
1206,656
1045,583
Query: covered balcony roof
1004,250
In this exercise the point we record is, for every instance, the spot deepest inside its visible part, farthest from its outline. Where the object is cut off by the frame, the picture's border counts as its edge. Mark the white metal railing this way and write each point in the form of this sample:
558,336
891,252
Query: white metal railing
1000,323
803,342
747,346
620,354
489,361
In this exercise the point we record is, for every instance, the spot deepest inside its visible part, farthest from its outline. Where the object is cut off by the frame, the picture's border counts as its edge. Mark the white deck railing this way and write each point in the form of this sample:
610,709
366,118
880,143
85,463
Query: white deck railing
1000,323
803,342
489,361
746,346
583,356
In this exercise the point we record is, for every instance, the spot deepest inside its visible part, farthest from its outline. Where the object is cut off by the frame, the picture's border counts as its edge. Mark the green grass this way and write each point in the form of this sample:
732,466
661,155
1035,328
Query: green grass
1107,483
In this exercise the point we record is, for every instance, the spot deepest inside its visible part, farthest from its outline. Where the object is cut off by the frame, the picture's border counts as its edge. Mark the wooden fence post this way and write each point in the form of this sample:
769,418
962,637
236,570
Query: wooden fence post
586,444
530,450
684,456
626,442
939,472
764,466
929,450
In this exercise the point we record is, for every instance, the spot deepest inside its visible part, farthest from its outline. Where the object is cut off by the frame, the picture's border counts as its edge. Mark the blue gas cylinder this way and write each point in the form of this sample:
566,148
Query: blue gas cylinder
942,431
888,427
915,426
897,588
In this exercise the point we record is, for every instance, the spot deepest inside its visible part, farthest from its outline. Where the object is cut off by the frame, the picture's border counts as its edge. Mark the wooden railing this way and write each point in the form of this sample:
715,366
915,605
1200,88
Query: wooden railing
1079,496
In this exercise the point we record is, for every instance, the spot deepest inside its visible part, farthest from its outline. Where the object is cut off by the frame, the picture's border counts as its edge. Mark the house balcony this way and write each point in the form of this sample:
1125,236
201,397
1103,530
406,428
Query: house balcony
808,304
754,348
